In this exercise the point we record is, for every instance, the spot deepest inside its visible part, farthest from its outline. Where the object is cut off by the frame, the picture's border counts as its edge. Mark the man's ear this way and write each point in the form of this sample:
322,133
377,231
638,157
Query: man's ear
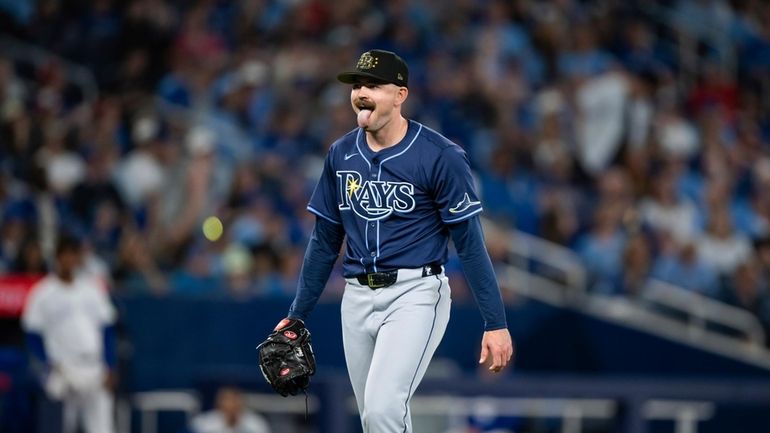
401,96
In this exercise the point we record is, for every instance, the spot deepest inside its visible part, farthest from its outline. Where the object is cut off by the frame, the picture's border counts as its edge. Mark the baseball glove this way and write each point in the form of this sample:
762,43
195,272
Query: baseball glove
286,357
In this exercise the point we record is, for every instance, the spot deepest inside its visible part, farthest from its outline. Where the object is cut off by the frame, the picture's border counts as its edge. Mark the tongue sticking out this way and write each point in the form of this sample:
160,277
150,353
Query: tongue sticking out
363,118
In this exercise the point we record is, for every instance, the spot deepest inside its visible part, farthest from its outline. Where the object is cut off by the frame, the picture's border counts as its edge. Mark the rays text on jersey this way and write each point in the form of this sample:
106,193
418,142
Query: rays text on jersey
373,199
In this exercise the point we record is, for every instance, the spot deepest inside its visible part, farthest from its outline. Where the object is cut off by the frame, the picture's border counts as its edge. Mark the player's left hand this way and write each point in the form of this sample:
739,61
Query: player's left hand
496,346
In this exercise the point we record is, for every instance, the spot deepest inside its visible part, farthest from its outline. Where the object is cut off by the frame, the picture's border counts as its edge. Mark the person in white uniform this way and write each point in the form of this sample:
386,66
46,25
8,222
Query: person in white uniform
229,416
69,322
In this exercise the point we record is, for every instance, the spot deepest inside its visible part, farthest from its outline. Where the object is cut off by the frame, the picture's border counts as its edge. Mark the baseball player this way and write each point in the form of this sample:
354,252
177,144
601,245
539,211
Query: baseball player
69,321
399,191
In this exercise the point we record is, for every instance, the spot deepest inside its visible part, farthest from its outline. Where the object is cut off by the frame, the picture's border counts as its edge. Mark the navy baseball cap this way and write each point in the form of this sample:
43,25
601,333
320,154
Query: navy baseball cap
379,65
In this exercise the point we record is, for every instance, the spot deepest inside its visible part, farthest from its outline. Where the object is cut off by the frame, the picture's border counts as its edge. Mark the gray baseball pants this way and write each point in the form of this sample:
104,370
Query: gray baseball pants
390,335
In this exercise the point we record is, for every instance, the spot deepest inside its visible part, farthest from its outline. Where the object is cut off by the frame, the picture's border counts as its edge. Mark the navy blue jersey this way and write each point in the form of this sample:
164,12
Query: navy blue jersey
394,204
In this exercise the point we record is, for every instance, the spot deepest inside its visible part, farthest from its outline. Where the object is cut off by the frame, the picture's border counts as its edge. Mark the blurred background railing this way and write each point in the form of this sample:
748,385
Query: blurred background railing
36,57
553,274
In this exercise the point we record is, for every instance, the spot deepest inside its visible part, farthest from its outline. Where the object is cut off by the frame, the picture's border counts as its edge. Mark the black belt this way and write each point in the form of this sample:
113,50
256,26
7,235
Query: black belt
378,280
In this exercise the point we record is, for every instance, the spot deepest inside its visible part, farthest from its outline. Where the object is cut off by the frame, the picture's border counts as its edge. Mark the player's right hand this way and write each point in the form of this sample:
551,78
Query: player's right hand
496,346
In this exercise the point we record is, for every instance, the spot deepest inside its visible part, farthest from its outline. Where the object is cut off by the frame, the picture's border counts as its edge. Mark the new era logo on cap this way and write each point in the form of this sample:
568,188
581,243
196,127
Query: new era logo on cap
378,65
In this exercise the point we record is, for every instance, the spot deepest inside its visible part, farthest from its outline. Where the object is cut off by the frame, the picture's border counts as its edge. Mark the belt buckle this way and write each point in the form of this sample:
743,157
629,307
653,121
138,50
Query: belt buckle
371,282
432,269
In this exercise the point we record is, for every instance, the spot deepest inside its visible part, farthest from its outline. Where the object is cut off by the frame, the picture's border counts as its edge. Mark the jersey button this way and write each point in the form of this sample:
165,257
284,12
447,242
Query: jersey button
371,224
374,176
373,254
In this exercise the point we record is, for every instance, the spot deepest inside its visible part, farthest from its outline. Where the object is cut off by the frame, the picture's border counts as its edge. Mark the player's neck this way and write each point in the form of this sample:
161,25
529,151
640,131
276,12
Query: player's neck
389,135
67,277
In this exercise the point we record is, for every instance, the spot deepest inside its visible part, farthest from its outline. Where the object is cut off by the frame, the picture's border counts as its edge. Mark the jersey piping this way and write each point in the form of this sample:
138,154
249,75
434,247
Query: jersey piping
379,173
464,217
317,212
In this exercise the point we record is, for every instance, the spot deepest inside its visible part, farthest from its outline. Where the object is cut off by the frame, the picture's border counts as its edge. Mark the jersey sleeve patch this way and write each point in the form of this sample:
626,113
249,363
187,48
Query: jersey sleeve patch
455,191
465,216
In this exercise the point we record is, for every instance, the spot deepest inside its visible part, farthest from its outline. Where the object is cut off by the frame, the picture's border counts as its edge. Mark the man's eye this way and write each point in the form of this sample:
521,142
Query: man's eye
356,86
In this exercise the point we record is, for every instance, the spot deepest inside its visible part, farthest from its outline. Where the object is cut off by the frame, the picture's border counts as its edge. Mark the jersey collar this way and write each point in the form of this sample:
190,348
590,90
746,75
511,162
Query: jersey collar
372,156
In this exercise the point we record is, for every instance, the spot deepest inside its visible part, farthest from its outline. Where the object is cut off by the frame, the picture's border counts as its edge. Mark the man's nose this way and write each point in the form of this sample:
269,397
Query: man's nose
362,95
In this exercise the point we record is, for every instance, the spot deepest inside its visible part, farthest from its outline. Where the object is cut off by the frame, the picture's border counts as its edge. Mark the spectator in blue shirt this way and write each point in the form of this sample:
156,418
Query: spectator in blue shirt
585,60
602,248
681,266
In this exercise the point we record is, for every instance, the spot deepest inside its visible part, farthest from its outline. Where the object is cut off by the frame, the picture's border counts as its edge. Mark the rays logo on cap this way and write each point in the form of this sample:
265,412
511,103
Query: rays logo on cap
367,61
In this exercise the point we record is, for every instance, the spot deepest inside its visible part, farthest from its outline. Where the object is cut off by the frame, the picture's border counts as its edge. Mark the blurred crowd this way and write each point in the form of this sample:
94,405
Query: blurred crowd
636,133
